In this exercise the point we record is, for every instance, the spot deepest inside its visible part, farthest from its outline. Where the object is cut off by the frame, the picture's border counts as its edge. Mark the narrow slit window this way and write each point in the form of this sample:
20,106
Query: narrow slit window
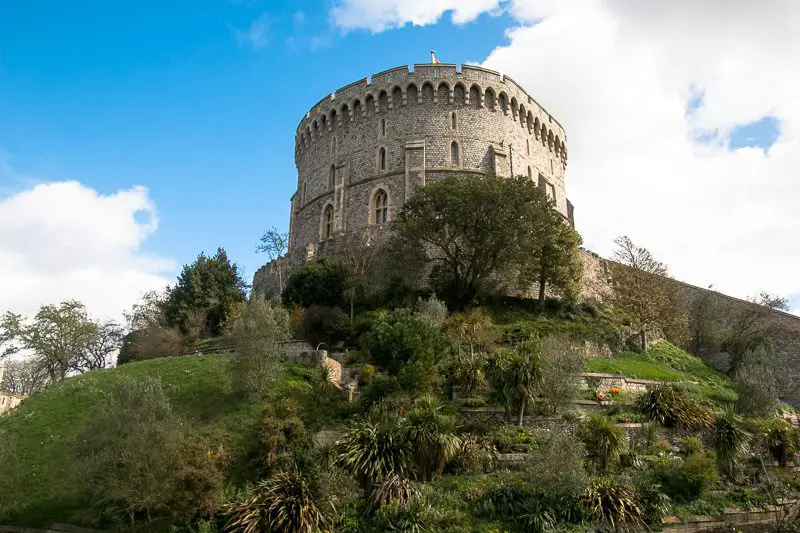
454,156
327,222
382,159
381,203
453,121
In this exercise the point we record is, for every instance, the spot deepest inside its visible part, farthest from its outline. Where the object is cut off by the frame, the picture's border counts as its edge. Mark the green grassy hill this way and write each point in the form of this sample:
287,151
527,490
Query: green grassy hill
43,489
39,432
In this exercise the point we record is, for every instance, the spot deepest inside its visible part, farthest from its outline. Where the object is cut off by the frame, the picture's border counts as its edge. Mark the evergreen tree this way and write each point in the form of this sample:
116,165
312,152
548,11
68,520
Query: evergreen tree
205,293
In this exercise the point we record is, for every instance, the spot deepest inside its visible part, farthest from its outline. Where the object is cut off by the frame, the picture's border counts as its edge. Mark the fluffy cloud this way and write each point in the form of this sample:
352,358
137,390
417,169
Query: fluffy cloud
649,93
379,15
64,240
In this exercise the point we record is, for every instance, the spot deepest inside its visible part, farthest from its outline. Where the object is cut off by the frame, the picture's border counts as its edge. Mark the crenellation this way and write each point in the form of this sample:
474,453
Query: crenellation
468,120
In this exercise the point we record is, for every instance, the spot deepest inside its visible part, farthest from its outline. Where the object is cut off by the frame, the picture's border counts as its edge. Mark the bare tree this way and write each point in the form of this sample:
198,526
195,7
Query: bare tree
148,312
101,347
23,377
637,258
361,249
644,293
275,244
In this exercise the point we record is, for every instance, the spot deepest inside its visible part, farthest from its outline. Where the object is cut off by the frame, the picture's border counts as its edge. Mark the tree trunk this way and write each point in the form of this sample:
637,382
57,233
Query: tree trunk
521,411
643,335
509,417
541,292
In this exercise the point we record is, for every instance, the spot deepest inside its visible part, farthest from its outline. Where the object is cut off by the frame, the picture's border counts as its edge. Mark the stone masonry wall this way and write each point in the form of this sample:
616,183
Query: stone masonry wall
785,336
415,116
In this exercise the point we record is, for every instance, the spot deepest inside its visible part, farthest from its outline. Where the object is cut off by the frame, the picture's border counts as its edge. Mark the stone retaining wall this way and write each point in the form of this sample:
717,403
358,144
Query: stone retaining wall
731,517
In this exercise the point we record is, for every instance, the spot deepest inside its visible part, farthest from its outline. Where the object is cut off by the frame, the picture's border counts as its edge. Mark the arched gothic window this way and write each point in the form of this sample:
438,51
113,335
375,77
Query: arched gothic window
455,160
332,177
382,159
380,204
327,222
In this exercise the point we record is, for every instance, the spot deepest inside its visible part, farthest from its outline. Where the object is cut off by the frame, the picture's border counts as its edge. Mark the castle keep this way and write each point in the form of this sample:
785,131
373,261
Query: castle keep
362,150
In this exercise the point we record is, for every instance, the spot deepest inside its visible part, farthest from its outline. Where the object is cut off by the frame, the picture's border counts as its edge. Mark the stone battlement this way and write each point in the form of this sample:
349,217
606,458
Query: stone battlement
362,150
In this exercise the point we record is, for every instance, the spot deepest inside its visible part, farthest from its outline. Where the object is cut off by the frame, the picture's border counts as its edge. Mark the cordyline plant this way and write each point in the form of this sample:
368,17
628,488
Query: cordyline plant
432,434
373,450
394,489
609,500
284,503
730,442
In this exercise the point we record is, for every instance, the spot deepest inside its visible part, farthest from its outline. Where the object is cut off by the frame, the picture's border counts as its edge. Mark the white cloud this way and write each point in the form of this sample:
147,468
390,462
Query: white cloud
619,75
257,34
65,240
379,15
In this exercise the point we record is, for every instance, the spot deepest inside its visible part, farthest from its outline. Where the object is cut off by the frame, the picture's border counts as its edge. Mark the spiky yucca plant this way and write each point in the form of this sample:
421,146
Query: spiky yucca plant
603,439
394,489
611,501
432,434
282,504
730,442
373,450
672,408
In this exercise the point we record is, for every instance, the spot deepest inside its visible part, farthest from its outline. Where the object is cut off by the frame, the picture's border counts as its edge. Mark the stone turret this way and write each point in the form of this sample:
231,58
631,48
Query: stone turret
362,150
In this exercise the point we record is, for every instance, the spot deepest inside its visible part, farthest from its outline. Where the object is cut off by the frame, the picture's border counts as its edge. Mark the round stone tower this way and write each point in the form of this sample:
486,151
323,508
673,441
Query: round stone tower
362,150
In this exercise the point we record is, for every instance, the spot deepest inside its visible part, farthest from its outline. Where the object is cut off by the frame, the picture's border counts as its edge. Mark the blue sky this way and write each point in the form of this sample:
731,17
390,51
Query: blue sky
192,99
687,141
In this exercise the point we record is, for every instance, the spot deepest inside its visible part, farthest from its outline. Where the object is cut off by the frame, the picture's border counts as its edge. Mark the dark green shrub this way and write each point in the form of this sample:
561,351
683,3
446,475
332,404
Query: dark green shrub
691,445
555,466
379,388
138,463
401,519
655,504
409,348
280,428
513,439
320,282
672,408
780,438
758,380
477,456
323,324
474,401
686,480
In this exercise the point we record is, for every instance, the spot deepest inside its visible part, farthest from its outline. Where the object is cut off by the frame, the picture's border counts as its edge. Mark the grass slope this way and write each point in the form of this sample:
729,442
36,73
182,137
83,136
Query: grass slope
666,362
40,430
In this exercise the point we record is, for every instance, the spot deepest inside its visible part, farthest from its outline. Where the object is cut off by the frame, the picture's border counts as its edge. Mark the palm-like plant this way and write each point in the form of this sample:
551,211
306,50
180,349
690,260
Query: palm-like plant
394,489
730,442
603,438
525,375
432,434
373,450
284,503
611,501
